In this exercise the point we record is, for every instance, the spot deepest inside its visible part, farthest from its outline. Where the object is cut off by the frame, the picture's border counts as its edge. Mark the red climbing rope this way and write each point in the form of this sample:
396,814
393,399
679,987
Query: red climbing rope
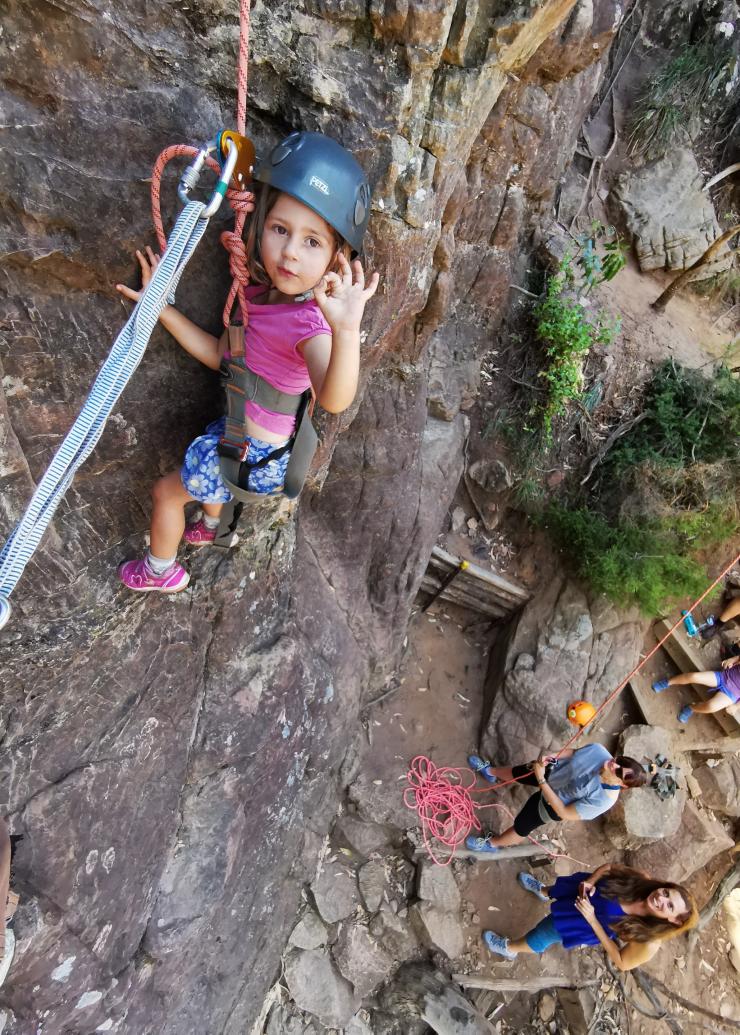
443,797
241,201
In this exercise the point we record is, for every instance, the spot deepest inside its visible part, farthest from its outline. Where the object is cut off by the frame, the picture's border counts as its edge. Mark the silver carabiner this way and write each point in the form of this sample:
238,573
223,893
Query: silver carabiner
192,174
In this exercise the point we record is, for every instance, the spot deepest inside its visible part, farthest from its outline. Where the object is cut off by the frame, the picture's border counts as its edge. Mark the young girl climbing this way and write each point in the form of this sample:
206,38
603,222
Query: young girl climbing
302,329
614,903
725,687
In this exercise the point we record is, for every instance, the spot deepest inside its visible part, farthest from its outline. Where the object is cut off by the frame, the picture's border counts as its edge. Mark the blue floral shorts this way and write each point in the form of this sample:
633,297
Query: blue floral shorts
201,472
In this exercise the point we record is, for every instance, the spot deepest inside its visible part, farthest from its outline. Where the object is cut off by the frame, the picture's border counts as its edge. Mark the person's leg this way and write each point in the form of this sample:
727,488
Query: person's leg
168,515
731,611
716,703
537,940
505,840
700,678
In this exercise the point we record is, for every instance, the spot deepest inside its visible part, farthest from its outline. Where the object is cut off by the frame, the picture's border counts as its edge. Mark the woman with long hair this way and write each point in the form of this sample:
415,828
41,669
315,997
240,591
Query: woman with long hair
613,904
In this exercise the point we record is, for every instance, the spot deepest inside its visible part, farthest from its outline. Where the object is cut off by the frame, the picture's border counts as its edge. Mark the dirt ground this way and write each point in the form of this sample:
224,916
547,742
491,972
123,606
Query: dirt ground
436,712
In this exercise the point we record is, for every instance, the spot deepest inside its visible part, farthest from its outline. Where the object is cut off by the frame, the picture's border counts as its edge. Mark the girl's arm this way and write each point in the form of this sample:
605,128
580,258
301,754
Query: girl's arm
201,345
4,878
341,297
632,955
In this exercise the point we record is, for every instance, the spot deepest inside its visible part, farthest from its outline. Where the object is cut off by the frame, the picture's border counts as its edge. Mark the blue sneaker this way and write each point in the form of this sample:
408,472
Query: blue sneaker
685,714
660,685
479,844
532,885
498,945
479,765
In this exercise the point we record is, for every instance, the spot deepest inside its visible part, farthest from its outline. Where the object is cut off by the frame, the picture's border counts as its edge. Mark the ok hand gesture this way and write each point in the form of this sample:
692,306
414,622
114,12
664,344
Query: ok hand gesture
341,297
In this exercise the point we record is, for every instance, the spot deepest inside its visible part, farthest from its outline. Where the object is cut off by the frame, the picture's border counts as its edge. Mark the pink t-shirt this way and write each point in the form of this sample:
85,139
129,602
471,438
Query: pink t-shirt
271,350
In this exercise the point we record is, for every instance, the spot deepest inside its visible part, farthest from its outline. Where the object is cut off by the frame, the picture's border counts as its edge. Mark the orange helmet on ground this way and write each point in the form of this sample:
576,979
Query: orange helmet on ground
580,713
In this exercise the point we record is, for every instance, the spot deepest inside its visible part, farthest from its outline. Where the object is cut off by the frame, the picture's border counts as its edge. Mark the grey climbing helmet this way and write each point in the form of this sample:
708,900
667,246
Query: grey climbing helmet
319,172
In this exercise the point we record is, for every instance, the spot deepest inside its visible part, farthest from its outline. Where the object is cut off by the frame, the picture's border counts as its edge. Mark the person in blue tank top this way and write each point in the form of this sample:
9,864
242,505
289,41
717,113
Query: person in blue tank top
614,903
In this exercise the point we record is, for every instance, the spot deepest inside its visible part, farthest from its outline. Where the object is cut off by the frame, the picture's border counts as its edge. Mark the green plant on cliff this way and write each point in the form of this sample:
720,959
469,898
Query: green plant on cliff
567,334
668,491
686,94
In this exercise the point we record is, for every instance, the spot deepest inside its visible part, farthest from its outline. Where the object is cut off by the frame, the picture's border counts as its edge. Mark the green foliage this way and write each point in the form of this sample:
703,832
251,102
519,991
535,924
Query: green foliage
596,265
668,491
648,562
567,334
689,419
688,88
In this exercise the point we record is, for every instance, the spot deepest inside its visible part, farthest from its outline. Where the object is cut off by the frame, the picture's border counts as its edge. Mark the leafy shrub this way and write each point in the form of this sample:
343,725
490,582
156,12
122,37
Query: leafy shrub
567,334
649,562
689,419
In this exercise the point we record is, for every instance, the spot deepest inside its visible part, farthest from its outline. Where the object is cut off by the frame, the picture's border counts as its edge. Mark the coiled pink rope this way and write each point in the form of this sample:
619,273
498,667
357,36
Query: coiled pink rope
241,201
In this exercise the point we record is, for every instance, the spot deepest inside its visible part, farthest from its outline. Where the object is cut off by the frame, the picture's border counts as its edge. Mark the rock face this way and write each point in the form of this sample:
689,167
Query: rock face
720,786
566,646
672,221
669,859
640,816
170,765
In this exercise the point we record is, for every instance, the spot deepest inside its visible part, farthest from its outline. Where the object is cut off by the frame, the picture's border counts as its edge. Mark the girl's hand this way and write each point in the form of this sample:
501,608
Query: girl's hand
148,263
730,662
586,889
341,297
584,907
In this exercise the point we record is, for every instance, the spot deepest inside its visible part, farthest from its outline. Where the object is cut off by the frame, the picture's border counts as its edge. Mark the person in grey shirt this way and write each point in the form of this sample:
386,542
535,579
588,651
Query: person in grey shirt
576,785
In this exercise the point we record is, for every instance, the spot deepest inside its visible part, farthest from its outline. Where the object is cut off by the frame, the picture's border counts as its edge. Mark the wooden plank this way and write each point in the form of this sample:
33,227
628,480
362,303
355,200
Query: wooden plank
688,657
440,569
485,576
533,984
456,595
646,699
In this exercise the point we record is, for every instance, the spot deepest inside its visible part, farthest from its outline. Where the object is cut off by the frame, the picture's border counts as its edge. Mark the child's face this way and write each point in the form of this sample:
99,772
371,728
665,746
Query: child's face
298,246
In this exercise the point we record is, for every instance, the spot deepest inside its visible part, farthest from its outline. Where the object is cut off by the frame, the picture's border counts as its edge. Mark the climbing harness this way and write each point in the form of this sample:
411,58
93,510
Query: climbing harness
243,385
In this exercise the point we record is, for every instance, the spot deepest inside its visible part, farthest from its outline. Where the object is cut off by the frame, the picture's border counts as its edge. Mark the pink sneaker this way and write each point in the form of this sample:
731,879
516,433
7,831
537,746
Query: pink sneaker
137,575
199,534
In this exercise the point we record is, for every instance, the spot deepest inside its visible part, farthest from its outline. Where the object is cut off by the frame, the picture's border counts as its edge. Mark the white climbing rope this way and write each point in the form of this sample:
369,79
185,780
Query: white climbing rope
115,373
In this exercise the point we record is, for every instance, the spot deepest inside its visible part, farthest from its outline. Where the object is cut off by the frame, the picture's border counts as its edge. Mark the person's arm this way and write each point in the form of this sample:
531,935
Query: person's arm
566,812
198,343
341,297
731,662
632,955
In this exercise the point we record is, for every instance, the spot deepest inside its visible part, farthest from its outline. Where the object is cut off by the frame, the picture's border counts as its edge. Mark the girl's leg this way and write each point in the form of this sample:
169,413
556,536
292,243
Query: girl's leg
731,611
520,945
700,678
213,510
168,515
500,772
716,703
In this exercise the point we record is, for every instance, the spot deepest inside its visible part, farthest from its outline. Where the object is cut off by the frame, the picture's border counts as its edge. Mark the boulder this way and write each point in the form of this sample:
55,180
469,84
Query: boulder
566,644
317,987
438,928
363,836
335,892
437,885
309,933
394,934
640,816
360,958
699,839
371,880
720,785
671,219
